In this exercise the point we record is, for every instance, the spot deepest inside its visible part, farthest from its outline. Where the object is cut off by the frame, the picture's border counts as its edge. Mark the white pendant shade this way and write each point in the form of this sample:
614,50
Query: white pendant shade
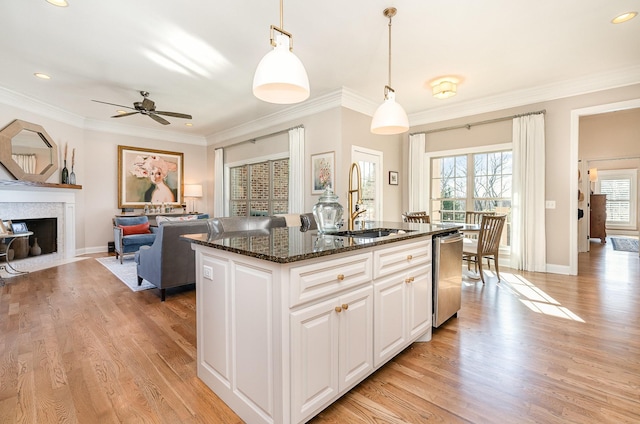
280,76
390,118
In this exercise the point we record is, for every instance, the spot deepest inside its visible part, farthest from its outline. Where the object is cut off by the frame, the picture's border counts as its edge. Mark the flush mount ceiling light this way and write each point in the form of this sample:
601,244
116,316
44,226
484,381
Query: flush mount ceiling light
59,3
280,76
390,117
445,87
42,76
627,16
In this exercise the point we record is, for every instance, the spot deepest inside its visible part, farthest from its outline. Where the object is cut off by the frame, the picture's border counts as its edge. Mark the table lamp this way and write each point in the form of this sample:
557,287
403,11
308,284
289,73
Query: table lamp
193,191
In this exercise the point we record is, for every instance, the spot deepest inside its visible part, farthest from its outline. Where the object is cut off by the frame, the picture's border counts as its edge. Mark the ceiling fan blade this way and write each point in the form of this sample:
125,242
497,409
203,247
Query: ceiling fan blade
148,104
112,104
120,115
174,114
158,119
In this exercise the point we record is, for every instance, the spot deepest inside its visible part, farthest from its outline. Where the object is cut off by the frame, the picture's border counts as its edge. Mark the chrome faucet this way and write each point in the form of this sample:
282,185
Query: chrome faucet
354,212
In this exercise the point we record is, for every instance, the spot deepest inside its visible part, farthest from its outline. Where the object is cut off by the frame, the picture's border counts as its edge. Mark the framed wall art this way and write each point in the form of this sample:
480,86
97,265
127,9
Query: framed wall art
393,178
149,176
322,172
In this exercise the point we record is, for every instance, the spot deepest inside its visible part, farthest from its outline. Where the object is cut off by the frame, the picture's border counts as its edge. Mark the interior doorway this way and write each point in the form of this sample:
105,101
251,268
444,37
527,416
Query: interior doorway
370,162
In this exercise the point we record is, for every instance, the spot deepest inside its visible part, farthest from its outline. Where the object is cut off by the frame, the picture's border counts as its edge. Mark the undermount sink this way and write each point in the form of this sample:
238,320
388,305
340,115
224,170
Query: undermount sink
370,233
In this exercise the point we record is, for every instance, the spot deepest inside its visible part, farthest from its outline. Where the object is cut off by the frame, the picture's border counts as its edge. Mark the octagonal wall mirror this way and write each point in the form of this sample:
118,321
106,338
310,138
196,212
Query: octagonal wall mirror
27,151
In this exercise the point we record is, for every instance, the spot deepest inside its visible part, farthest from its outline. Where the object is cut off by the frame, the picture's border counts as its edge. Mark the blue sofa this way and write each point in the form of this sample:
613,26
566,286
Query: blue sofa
169,261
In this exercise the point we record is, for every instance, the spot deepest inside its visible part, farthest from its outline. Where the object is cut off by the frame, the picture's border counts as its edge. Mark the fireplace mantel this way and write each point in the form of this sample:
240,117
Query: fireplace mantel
12,183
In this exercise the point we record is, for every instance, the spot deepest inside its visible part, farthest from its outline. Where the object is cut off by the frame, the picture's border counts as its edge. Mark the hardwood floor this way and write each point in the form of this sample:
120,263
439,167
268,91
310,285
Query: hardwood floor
77,346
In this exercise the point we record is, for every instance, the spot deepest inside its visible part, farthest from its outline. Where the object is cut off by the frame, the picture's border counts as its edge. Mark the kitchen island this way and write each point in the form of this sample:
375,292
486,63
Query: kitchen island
288,321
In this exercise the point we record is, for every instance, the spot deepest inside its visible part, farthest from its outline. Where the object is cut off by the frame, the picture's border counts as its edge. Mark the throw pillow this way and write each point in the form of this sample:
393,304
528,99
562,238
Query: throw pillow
128,230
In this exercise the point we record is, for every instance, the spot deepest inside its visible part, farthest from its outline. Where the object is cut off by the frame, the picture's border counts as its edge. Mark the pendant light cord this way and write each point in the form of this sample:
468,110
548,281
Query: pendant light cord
281,15
389,84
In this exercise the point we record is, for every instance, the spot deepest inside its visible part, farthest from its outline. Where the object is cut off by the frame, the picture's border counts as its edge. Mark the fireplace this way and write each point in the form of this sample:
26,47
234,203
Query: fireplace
26,204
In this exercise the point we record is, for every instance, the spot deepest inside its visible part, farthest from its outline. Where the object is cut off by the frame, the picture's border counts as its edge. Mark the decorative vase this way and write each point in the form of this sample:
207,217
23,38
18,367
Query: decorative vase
65,173
35,249
328,212
72,176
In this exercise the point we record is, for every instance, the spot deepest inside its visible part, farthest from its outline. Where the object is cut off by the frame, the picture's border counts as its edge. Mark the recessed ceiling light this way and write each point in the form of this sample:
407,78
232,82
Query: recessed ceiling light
627,16
189,124
59,3
42,76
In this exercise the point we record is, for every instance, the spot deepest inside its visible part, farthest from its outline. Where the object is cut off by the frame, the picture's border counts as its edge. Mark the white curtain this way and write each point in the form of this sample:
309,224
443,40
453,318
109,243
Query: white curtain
528,247
416,181
26,161
296,170
218,194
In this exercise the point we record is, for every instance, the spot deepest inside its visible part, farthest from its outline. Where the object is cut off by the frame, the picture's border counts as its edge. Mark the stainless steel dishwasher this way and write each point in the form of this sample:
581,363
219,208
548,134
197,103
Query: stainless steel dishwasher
447,276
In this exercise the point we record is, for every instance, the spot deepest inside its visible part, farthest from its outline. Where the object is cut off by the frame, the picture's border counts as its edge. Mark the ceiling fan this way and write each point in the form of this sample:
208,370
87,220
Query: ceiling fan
147,107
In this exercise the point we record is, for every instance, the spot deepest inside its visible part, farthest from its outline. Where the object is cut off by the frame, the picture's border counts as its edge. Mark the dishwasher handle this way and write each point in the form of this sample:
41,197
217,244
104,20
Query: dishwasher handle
453,238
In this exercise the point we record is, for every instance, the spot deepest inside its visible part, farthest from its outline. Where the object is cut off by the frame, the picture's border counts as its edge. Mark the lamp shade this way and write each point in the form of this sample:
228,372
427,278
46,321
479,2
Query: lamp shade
192,190
593,175
280,76
390,118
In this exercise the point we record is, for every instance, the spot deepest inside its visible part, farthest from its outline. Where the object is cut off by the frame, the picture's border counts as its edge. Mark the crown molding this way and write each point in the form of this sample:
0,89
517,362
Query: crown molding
559,90
343,97
29,104
127,130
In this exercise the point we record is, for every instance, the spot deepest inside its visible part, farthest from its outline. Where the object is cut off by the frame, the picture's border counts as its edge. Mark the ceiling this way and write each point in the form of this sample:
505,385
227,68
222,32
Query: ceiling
198,57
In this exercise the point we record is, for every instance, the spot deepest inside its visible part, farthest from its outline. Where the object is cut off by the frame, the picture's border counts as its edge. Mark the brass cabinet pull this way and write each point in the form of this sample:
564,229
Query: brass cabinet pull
409,257
409,280
338,309
345,306
340,277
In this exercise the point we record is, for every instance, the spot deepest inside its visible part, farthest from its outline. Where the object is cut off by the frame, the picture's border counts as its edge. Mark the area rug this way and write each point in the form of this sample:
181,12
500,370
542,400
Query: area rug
625,244
126,272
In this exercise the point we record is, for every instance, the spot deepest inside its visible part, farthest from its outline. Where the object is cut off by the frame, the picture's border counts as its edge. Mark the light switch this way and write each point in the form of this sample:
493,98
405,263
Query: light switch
207,272
550,204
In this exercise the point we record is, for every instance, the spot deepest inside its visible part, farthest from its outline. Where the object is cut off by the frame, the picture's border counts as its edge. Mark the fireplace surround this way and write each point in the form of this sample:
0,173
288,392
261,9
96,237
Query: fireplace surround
44,202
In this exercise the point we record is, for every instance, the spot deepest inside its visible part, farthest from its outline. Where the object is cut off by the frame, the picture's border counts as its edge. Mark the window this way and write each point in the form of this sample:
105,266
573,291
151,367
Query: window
474,181
620,188
259,189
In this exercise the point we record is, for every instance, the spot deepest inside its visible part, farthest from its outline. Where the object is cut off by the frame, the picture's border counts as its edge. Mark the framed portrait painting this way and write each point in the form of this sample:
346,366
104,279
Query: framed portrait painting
322,172
149,176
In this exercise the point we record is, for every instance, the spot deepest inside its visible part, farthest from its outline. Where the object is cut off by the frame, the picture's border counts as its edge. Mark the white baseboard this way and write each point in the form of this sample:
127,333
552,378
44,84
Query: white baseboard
558,269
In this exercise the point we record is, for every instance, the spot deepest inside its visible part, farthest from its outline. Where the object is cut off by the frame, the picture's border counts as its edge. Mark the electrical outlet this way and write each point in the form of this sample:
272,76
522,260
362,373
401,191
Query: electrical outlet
207,272
550,204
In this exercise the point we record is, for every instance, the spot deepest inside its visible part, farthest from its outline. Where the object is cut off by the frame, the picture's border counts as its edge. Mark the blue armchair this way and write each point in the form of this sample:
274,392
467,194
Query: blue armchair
131,243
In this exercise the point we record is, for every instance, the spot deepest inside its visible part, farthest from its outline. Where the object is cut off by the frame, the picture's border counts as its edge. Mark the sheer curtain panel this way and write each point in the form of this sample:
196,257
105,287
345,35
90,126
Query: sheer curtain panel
528,250
416,178
296,170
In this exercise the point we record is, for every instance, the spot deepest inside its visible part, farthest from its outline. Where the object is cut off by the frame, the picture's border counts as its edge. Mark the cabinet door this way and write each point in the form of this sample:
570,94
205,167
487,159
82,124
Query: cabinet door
390,318
356,336
314,357
419,307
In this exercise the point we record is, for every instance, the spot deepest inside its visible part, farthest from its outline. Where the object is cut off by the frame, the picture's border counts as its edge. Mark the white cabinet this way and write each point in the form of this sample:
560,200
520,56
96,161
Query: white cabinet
279,342
331,349
402,297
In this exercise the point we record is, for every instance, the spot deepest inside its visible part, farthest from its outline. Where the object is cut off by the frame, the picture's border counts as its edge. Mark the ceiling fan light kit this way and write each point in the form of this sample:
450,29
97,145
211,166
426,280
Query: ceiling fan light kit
390,118
280,76
146,107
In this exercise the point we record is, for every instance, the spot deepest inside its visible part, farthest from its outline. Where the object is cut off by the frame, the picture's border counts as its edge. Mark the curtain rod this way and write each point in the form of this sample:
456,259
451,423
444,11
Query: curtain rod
473,124
254,139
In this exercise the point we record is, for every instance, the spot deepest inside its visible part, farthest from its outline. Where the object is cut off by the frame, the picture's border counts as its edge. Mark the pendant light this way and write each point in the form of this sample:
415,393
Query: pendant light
280,76
390,117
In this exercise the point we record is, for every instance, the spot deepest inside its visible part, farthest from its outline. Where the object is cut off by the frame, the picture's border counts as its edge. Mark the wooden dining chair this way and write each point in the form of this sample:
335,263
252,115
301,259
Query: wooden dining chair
472,217
487,245
421,216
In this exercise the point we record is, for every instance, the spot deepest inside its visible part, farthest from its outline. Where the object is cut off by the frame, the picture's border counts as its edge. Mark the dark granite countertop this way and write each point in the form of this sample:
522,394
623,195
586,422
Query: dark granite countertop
285,245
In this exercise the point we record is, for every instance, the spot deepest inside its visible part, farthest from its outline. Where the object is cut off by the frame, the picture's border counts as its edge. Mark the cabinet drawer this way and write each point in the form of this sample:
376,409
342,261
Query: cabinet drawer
325,278
398,258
